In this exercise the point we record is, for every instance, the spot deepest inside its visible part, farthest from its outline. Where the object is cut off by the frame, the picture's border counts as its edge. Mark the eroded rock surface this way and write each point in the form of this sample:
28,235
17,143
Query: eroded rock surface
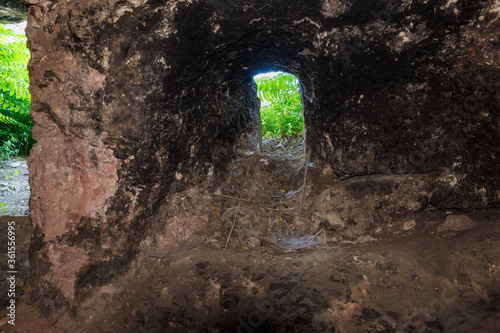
135,101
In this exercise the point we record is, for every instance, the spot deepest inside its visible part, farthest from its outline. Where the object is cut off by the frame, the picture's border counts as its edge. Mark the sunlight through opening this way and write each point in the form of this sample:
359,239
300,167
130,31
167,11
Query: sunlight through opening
281,112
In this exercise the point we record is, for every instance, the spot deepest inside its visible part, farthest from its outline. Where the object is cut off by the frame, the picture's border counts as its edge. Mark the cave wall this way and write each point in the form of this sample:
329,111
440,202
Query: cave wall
413,88
135,100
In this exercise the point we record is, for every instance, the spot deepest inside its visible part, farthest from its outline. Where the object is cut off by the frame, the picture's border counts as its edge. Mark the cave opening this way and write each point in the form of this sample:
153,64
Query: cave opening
281,113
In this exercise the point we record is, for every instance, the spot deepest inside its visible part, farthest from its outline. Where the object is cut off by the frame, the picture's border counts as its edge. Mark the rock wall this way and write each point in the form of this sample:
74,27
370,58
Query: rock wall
135,100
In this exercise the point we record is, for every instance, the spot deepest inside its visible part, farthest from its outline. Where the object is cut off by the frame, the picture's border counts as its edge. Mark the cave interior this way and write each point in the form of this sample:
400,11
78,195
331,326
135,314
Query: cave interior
154,208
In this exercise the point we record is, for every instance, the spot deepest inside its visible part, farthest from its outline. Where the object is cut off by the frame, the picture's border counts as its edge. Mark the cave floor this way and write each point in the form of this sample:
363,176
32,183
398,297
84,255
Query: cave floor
283,147
406,281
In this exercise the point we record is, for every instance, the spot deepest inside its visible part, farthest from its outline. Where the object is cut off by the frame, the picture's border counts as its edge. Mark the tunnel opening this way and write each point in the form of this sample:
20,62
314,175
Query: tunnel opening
281,114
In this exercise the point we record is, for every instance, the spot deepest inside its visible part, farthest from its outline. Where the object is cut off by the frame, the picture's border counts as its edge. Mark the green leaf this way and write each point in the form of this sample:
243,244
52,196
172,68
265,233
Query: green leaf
15,129
281,107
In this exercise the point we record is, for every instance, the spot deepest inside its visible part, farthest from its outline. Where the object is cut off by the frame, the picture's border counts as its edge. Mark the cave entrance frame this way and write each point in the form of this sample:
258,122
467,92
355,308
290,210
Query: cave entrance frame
281,108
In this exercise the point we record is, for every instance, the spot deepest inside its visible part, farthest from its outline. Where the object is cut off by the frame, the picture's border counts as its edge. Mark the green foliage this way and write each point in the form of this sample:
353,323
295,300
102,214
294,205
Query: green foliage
281,108
15,100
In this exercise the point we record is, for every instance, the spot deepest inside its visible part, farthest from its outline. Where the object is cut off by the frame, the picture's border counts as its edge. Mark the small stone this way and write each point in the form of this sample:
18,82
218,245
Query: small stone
408,224
366,239
456,223
16,164
254,241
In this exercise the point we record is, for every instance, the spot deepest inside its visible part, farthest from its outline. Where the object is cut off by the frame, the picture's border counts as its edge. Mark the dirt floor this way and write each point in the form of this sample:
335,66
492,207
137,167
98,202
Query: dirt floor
283,147
245,254
405,281
14,188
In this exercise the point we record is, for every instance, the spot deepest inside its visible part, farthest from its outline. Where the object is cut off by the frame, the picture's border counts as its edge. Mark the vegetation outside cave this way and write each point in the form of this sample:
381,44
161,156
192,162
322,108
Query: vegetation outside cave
15,121
281,113
15,99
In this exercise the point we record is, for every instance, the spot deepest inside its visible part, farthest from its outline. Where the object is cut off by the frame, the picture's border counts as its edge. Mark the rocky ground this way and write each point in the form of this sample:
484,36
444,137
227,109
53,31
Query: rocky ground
284,147
14,187
413,279
272,255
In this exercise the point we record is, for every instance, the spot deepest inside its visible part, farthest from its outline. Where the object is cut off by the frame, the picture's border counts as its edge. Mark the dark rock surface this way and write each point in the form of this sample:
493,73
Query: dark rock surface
134,101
